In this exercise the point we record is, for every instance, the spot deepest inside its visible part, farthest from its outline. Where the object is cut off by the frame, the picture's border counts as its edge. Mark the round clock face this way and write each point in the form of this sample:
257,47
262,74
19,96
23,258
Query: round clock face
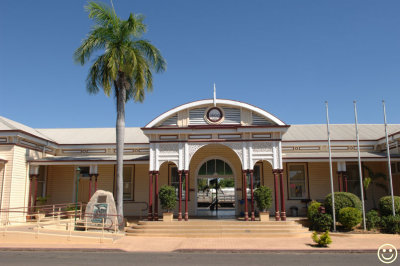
214,114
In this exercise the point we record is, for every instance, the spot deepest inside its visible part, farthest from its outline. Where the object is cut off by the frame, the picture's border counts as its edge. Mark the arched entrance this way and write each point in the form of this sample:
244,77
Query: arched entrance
215,189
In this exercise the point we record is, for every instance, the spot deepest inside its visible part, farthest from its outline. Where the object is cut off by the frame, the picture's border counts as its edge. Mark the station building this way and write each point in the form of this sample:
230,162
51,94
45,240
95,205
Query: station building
202,140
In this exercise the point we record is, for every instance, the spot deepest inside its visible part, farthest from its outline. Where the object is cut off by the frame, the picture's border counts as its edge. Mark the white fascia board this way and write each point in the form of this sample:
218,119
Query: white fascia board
102,146
300,160
218,101
87,163
286,143
36,140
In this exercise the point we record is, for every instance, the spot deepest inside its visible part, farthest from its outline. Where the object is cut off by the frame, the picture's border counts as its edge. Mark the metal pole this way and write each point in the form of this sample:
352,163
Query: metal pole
388,156
359,166
330,168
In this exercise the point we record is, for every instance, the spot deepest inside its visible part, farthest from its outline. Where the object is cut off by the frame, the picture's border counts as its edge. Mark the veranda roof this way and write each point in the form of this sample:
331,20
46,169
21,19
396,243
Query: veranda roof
93,159
346,156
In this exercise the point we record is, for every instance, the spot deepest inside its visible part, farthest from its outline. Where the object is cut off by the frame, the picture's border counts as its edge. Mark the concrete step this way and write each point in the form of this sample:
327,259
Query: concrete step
224,235
217,231
211,227
217,228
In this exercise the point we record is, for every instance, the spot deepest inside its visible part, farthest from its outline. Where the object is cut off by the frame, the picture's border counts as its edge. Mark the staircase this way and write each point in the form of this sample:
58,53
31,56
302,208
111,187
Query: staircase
217,228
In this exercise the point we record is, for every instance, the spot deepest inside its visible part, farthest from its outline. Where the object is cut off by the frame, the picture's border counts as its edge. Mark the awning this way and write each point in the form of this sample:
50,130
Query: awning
93,159
337,156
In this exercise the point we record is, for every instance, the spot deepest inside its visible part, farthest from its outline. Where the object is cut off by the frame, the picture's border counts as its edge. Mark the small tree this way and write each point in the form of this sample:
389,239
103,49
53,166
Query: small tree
167,197
263,197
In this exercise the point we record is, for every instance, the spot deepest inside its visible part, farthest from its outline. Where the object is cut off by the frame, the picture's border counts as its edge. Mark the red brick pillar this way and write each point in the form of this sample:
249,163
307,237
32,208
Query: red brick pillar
180,196
150,213
277,217
283,209
186,194
253,218
156,197
246,211
339,176
344,174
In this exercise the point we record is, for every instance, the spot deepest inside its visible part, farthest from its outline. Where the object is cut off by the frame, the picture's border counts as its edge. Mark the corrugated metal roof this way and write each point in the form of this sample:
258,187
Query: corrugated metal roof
8,124
93,135
338,132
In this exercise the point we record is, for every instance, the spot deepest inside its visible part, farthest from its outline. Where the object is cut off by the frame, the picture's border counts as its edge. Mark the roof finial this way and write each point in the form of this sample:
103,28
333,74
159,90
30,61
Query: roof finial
215,96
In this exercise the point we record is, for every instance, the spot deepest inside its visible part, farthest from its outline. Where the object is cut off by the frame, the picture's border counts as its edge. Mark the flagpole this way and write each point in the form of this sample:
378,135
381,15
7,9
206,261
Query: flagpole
330,168
388,156
359,165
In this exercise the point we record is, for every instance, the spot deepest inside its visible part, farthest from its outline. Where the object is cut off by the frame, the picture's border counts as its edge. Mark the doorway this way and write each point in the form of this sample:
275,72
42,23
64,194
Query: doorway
215,193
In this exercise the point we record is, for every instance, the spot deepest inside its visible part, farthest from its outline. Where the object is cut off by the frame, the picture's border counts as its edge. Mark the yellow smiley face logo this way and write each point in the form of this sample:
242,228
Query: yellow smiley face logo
387,253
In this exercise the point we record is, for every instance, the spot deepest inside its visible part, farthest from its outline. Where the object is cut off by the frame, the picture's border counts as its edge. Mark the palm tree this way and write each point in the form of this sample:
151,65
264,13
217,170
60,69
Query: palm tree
377,180
124,67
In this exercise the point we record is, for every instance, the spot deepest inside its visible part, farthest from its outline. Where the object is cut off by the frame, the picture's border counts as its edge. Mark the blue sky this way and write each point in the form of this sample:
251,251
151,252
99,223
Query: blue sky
286,57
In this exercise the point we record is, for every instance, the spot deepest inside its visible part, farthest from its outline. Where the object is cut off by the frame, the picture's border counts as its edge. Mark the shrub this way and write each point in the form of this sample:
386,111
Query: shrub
349,217
372,219
342,200
385,205
391,224
263,197
167,197
322,241
312,210
322,222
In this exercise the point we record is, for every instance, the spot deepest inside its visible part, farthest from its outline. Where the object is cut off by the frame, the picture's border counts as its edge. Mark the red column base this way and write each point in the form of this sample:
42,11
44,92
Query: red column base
155,216
186,216
283,216
246,216
180,216
253,217
150,216
277,217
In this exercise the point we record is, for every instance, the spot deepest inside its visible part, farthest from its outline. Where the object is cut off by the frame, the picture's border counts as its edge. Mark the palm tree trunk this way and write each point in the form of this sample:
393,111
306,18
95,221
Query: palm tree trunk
120,131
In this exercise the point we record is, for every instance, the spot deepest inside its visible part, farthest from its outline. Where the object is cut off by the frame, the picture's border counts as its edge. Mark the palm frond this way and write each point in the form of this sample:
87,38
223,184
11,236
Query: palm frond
134,26
152,54
96,39
102,14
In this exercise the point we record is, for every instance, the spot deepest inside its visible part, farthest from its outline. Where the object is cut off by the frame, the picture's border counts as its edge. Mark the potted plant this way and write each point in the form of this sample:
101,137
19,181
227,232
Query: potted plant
167,197
263,197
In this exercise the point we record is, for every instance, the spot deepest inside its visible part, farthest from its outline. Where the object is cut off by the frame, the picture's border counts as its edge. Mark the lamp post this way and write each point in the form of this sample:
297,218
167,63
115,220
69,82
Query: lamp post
78,172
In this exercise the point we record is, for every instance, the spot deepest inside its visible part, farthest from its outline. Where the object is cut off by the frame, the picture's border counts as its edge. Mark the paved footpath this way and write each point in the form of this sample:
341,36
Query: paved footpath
347,243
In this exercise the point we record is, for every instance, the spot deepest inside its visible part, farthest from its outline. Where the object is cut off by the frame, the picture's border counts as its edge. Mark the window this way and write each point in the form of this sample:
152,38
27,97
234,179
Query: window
84,171
353,179
175,181
297,181
41,182
215,167
128,182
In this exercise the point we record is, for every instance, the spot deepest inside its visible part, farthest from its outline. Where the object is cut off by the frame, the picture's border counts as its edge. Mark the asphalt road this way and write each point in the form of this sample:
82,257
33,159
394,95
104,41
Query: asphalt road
119,258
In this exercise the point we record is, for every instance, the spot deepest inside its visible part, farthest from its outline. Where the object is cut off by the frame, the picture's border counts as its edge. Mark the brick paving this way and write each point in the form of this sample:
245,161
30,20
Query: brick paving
341,242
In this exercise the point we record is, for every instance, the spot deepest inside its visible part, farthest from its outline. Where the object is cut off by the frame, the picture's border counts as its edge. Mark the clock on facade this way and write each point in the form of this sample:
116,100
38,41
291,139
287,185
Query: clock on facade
214,115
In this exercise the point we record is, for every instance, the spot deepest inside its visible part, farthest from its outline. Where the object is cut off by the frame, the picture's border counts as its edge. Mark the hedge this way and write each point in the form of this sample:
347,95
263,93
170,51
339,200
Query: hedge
342,200
349,217
372,219
385,205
